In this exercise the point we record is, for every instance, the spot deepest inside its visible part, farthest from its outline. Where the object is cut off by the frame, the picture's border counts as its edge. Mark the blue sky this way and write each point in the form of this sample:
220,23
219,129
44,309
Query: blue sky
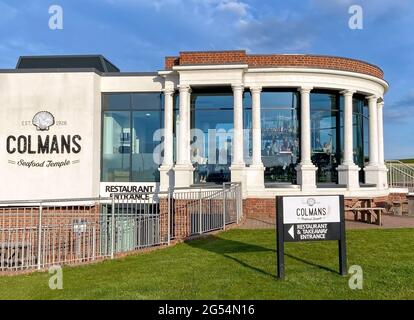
136,35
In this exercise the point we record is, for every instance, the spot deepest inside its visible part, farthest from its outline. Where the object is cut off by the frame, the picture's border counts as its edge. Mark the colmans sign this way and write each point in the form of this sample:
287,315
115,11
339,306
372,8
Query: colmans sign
43,144
310,218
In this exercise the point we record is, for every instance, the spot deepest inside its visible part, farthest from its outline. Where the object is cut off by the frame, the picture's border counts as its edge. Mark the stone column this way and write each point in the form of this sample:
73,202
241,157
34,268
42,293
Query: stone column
372,172
373,131
306,170
166,174
348,171
237,165
183,169
188,153
380,120
383,183
255,172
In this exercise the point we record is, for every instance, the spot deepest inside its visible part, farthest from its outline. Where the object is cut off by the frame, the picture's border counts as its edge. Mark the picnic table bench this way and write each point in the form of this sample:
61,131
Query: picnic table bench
365,211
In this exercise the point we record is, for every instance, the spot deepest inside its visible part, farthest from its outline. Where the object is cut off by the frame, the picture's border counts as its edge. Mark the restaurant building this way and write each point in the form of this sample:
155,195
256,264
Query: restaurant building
281,124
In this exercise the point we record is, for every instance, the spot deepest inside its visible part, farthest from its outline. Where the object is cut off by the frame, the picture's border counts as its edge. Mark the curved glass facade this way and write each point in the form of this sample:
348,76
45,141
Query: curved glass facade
360,133
211,143
130,120
280,134
326,112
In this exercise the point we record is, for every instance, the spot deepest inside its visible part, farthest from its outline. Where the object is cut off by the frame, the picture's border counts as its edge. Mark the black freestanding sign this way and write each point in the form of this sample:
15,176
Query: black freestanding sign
310,218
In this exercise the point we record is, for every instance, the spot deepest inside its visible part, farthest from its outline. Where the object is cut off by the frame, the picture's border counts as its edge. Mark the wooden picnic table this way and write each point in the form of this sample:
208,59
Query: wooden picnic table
365,211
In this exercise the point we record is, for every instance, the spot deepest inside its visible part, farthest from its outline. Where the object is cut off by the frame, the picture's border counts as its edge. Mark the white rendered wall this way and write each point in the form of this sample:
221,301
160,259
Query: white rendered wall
74,99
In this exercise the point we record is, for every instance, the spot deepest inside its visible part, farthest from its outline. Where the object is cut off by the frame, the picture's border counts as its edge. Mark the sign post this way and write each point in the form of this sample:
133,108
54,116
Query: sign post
310,218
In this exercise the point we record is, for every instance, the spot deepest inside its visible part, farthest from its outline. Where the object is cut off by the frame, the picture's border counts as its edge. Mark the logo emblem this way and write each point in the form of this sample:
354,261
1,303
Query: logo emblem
43,120
311,202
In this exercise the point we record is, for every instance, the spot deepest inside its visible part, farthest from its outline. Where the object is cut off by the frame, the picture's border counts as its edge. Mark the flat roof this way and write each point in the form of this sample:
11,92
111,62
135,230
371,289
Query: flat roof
97,62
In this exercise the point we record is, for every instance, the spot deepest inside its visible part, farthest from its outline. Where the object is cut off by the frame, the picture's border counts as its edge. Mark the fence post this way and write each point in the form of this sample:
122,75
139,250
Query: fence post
169,216
39,238
224,206
239,202
113,228
93,243
237,193
199,212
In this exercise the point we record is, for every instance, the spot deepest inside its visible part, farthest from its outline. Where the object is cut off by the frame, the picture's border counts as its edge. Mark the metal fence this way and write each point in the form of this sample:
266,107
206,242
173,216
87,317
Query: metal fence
35,235
201,210
400,175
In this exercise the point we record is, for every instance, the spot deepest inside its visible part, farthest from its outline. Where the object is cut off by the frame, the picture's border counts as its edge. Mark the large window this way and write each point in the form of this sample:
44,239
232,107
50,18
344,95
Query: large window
360,133
211,145
280,134
326,126
129,123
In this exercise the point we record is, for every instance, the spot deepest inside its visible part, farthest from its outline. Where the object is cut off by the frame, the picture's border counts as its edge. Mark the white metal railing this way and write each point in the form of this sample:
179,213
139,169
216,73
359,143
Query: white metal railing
400,175
38,234
200,210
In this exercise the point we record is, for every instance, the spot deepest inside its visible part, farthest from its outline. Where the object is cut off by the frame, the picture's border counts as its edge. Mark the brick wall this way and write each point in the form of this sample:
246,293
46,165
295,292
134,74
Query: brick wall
313,61
164,219
19,226
273,60
257,208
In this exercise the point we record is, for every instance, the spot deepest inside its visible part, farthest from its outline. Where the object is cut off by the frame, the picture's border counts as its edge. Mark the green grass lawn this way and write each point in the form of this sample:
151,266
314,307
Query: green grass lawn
238,264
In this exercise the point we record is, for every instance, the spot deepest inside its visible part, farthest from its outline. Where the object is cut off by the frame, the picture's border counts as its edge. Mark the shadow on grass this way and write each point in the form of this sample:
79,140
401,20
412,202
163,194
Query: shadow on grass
226,247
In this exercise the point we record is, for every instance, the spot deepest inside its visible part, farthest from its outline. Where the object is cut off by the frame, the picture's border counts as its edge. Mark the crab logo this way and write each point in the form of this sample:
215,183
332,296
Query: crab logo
311,202
43,120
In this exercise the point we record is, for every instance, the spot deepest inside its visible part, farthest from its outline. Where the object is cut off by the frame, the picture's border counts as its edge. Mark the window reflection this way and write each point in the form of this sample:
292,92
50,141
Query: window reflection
116,146
145,123
211,147
129,123
326,144
360,133
280,134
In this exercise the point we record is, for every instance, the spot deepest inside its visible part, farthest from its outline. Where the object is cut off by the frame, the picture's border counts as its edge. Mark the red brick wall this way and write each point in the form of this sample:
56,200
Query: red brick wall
313,61
213,57
181,223
273,60
170,62
20,225
164,219
259,208
256,208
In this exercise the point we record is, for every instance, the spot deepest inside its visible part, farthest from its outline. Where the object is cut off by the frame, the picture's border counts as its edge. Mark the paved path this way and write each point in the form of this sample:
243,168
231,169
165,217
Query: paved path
388,222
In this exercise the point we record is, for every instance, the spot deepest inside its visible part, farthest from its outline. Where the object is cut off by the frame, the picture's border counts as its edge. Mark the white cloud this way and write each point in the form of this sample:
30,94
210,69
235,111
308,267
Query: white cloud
236,7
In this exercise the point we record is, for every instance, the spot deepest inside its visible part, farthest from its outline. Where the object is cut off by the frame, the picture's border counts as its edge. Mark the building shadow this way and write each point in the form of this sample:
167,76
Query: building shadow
226,248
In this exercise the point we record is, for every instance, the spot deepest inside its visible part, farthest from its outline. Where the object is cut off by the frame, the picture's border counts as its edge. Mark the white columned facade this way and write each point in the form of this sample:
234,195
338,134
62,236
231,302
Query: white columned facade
373,131
183,169
166,174
255,172
188,153
380,107
382,183
238,166
372,170
306,170
348,171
